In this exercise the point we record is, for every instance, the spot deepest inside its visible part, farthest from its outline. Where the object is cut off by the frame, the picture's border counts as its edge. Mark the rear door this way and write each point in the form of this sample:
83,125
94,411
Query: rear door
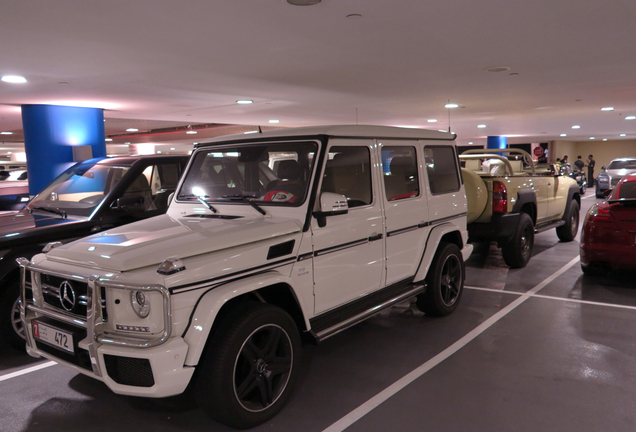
405,206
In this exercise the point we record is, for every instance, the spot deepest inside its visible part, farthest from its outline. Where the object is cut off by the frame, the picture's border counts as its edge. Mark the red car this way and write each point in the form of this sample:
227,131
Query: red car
608,239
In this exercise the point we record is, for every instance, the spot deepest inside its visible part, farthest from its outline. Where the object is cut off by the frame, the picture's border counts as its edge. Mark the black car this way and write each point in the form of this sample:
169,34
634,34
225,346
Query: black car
89,197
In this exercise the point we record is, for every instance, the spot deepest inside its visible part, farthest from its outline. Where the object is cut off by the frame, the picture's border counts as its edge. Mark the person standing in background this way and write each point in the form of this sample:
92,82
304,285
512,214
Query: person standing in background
590,170
579,164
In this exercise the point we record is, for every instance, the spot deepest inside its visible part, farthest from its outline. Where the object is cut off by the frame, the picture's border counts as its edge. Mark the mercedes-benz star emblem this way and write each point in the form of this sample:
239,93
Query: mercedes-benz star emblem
67,296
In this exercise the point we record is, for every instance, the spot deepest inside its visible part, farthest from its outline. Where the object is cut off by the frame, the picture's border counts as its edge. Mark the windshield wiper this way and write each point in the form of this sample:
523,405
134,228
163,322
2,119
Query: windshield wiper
245,198
203,201
57,211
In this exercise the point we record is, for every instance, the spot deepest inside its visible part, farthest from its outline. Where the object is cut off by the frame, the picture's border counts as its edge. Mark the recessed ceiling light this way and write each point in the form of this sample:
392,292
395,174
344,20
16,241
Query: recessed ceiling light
481,126
171,148
13,79
303,2
250,132
451,105
630,118
607,109
592,138
432,120
244,102
158,151
274,121
9,152
604,139
132,130
191,132
127,143
470,142
623,135
6,133
109,139
576,127
564,135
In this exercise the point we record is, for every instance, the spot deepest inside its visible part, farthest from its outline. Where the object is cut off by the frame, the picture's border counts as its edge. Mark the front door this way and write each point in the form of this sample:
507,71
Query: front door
348,250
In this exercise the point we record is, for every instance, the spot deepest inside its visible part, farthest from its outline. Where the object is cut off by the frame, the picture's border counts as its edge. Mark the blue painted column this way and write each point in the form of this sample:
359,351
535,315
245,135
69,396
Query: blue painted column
50,134
497,142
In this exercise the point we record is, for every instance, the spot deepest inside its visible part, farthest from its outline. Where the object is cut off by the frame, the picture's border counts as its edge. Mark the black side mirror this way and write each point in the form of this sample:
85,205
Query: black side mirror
603,167
129,204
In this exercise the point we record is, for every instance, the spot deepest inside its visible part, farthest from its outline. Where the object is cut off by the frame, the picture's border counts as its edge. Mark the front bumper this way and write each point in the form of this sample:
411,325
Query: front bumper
150,367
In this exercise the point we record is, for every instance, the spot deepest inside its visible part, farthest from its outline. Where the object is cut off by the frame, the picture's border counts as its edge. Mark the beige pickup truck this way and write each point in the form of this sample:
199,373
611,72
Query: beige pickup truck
511,200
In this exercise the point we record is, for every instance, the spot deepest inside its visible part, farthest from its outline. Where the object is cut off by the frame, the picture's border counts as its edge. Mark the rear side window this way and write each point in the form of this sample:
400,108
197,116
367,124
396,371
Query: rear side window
400,173
348,172
441,169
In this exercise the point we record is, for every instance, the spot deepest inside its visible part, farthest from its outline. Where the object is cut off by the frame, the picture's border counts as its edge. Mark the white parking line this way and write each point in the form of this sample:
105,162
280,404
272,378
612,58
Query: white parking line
385,394
27,370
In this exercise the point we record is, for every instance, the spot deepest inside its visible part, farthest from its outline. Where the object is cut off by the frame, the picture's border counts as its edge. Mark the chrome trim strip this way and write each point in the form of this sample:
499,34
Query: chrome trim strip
437,221
402,230
57,315
341,247
331,331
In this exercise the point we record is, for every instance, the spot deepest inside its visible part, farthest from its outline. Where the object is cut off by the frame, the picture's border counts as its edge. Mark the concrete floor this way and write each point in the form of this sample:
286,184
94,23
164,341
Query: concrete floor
535,349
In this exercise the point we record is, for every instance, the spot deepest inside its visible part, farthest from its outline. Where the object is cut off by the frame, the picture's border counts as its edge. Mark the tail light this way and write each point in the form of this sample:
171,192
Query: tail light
499,198
600,214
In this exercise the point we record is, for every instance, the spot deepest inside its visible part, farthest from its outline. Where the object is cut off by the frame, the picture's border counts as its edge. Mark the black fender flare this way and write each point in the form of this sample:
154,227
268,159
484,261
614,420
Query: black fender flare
525,196
574,193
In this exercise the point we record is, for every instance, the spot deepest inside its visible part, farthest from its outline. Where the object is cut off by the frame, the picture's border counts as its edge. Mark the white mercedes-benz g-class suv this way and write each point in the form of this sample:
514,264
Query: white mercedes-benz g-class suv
216,295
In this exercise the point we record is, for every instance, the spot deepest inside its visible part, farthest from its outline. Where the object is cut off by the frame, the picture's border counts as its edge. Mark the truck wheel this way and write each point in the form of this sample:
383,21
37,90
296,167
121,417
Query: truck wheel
445,282
11,326
569,231
247,372
518,251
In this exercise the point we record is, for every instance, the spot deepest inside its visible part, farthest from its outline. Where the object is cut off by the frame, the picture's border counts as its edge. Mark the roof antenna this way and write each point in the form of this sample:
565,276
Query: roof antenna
260,131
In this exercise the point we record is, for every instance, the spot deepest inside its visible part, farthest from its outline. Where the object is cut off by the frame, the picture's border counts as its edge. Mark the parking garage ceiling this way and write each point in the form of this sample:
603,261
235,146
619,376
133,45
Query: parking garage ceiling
529,70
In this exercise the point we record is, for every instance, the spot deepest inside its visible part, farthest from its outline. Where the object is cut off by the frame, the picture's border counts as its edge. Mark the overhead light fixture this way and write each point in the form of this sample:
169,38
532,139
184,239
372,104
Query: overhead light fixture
481,126
132,130
244,102
623,135
576,127
6,133
159,151
303,2
564,135
431,121
604,139
470,142
250,132
109,139
14,79
171,148
607,109
451,105
274,121
191,132
9,153
592,138
630,118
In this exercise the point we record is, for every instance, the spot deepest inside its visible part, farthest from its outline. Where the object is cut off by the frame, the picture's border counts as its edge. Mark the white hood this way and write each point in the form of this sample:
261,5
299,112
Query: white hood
151,241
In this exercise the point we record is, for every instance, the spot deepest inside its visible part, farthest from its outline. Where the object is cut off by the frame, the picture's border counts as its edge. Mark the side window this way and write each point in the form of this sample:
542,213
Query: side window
400,173
441,169
348,172
154,185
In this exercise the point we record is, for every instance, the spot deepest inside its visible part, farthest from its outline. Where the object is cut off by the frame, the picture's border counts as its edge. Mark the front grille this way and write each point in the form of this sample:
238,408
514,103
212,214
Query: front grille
67,295
129,371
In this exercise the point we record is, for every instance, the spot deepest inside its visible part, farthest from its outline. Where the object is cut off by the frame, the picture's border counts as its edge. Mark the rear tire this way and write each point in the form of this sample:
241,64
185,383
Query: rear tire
445,282
247,372
569,231
518,251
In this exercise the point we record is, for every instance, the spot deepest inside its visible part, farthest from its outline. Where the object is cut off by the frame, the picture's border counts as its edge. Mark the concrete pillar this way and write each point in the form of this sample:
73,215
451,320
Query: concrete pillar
56,137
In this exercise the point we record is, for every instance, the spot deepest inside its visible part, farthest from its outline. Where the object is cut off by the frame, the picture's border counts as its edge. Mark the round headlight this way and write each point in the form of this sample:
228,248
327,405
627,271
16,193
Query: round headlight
140,303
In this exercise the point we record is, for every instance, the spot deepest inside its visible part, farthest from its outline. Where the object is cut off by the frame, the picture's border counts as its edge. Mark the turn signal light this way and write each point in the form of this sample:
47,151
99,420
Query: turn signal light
499,198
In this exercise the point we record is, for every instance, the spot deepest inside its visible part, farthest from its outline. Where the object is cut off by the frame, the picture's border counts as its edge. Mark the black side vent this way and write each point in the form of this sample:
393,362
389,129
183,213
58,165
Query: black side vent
280,250
129,371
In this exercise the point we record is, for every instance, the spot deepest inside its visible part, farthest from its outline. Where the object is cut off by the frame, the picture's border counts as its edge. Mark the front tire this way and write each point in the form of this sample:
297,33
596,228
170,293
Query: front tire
518,251
569,231
247,373
11,325
445,282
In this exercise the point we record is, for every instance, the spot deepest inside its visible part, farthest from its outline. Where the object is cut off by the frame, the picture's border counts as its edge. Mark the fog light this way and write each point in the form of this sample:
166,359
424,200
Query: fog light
140,303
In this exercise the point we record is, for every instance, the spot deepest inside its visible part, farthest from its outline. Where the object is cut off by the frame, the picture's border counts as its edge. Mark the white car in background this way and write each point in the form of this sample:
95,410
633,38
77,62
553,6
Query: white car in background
613,173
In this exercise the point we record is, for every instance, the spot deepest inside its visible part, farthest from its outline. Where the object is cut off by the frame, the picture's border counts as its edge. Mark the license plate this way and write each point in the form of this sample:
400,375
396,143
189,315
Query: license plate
53,336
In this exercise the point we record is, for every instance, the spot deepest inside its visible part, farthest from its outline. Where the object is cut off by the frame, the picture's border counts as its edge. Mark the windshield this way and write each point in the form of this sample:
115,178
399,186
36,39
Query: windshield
616,165
272,174
80,189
